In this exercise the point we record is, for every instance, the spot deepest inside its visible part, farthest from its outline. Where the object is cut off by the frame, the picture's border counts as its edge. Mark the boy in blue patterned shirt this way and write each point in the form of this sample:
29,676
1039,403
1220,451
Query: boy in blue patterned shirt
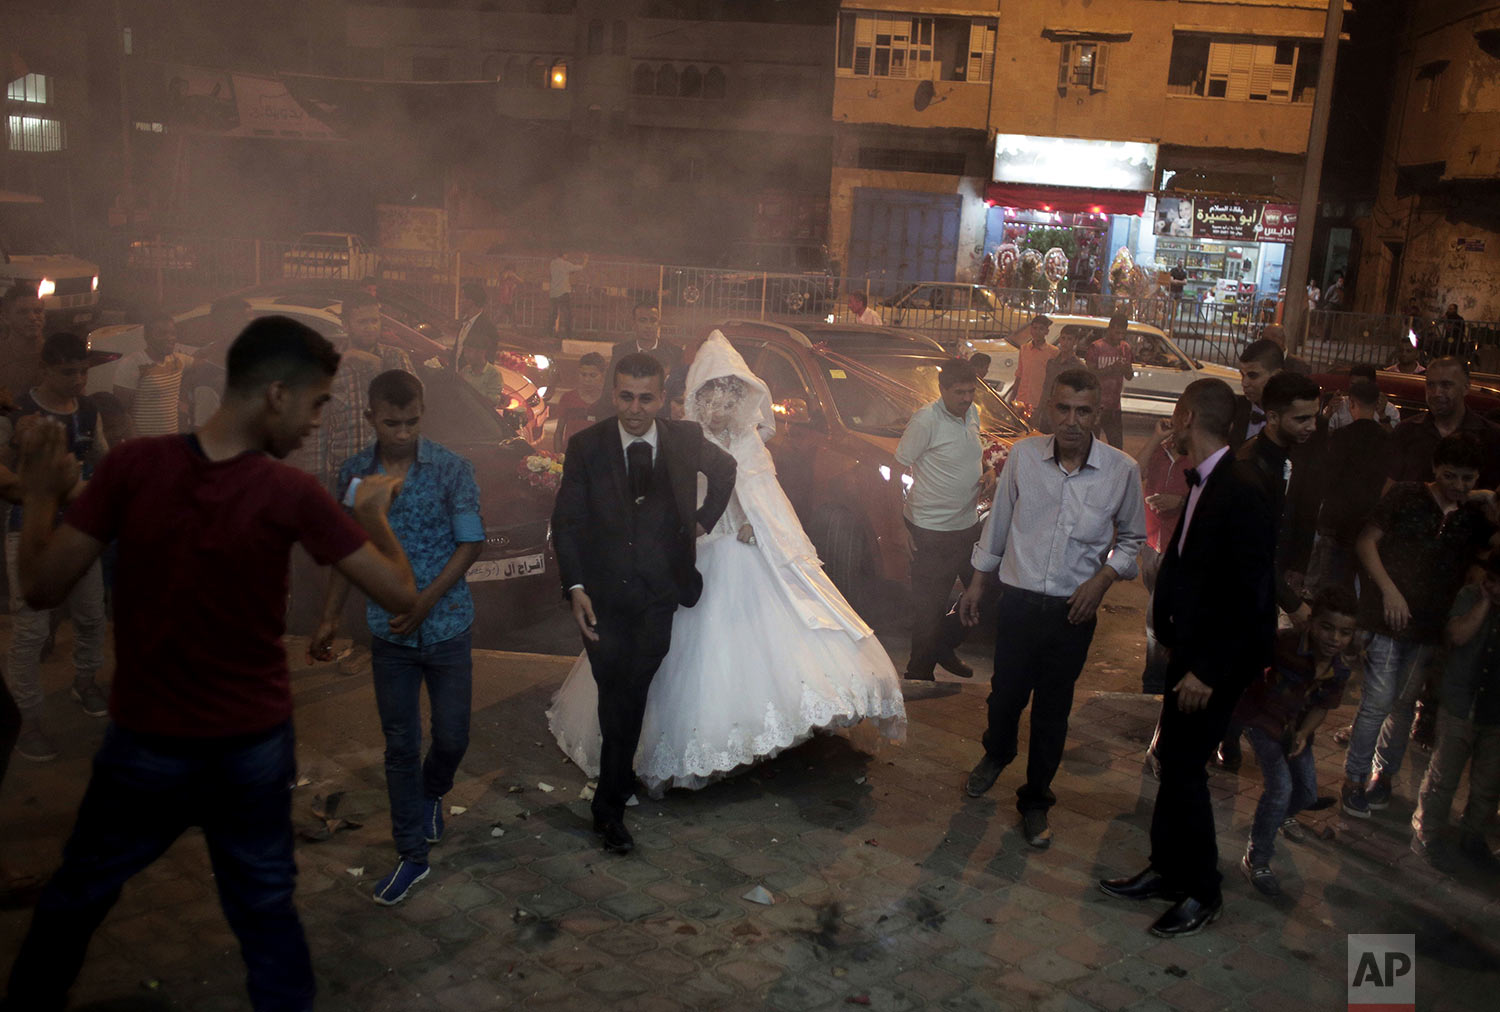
436,518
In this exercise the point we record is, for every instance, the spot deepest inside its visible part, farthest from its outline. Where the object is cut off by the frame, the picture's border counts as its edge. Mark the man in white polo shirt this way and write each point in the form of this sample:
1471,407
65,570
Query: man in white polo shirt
942,450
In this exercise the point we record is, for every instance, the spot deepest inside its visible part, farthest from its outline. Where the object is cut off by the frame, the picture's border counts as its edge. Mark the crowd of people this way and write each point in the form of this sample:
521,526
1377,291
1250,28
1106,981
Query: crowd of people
1292,540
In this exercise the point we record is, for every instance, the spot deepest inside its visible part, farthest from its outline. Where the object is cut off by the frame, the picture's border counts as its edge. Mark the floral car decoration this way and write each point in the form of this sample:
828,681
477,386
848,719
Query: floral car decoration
542,470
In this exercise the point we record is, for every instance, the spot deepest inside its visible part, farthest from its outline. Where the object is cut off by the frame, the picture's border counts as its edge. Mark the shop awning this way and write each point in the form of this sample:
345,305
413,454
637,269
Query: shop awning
1065,198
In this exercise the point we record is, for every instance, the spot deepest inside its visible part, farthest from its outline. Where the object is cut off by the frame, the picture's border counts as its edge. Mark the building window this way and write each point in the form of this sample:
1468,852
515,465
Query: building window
908,46
1243,70
514,73
942,163
36,134
596,37
666,80
1429,80
429,68
34,88
1083,65
538,74
691,84
644,82
713,83
129,43
617,38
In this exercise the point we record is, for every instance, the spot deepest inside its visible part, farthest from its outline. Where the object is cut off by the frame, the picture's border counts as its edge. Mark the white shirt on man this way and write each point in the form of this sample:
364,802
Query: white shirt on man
562,270
946,460
649,438
1196,492
870,318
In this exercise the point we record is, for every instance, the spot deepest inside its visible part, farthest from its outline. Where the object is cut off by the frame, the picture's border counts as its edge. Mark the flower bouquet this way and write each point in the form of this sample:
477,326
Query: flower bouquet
542,470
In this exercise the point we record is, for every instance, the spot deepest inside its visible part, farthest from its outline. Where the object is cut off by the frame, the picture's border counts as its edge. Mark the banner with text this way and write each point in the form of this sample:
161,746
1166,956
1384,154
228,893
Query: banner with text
1226,219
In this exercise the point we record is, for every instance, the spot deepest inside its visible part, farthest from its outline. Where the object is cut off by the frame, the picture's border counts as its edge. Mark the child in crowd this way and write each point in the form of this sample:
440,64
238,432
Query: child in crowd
476,367
1468,730
1280,712
581,407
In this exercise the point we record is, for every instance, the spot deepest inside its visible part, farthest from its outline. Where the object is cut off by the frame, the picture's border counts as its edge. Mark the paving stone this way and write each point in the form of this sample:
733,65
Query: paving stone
630,906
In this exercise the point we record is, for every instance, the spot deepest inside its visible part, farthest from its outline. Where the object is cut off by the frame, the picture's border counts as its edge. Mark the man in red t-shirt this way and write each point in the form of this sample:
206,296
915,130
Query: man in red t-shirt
1110,359
200,731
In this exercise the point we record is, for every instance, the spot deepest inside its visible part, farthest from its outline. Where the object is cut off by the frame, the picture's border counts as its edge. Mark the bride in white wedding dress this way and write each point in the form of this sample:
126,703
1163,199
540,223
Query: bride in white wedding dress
772,652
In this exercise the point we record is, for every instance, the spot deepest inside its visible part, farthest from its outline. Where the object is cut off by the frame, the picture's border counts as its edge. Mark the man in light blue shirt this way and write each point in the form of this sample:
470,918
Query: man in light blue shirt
1069,520
942,449
435,517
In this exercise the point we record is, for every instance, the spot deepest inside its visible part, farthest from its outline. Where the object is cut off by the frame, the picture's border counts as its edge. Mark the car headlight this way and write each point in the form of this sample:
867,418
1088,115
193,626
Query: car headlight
542,361
46,287
94,285
541,392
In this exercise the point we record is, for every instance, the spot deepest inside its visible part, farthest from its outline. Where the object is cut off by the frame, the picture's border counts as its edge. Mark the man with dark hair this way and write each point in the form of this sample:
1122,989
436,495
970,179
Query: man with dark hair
941,450
201,706
1290,402
475,323
436,519
1338,410
1414,441
1067,357
1408,360
860,308
1276,334
648,341
584,405
475,367
1031,362
1110,359
1069,520
148,382
625,528
58,397
1416,548
1215,611
1258,363
343,431
1354,476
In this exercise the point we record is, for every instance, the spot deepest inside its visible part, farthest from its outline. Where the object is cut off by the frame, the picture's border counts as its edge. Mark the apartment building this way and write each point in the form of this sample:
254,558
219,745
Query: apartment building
1176,128
1435,232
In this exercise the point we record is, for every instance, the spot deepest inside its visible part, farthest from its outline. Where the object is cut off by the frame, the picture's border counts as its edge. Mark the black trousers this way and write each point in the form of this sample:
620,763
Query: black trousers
1184,848
633,638
938,559
1038,657
10,726
1112,421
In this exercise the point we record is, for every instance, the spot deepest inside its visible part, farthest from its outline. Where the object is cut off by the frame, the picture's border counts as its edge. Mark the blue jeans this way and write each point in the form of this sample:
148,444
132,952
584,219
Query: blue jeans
1291,784
399,671
1391,665
144,792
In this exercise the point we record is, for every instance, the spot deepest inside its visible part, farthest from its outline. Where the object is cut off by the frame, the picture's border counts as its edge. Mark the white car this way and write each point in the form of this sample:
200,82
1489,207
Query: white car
330,255
1162,370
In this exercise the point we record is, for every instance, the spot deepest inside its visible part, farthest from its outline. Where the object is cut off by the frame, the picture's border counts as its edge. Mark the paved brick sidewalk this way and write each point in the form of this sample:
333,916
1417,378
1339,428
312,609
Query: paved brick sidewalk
889,884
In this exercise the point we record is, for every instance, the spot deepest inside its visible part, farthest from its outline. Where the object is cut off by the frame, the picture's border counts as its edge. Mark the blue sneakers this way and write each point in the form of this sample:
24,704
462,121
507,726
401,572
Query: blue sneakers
432,819
393,888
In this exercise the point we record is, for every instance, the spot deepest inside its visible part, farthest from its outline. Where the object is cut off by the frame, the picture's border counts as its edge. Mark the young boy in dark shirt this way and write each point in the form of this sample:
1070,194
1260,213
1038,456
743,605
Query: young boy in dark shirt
1281,710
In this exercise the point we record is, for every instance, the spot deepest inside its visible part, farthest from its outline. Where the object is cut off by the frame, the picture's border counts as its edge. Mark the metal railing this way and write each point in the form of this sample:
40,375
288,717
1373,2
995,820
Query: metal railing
182,270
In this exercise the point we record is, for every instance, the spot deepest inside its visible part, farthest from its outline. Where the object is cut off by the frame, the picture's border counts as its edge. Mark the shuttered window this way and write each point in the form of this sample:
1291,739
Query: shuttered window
1083,65
1241,70
915,47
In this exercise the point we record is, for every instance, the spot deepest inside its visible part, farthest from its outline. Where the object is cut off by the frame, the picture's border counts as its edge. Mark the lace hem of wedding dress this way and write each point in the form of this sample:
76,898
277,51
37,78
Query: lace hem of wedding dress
699,765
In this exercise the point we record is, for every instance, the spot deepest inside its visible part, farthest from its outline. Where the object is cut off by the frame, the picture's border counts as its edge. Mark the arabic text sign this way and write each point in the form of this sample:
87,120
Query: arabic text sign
1225,219
506,569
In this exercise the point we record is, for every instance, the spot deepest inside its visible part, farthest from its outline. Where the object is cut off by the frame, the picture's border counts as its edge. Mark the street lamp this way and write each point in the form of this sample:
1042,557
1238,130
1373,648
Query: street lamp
559,76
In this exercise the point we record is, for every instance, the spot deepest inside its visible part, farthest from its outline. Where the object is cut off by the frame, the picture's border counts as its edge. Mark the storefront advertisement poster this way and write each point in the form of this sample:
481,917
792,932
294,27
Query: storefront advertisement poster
1174,216
1226,219
1278,223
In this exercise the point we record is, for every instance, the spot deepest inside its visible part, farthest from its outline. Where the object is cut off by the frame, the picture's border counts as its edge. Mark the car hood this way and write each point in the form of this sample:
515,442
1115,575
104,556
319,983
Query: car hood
1211,371
56,265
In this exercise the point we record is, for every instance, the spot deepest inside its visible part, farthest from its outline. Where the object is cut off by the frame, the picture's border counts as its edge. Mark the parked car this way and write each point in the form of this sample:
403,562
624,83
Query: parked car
952,312
1409,392
401,303
330,255
843,409
525,410
779,277
516,513
1162,369
32,252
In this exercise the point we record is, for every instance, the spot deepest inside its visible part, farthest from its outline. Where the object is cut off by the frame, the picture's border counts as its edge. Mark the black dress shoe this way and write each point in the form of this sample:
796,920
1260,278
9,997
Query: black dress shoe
1229,757
617,839
954,665
983,776
1145,885
919,676
1034,827
1188,917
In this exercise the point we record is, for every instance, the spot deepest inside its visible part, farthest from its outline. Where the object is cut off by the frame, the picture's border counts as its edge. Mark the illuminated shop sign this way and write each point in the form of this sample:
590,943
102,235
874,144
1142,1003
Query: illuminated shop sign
1072,161
1230,220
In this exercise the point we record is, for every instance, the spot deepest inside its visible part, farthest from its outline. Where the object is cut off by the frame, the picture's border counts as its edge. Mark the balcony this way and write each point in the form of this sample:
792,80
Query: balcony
894,101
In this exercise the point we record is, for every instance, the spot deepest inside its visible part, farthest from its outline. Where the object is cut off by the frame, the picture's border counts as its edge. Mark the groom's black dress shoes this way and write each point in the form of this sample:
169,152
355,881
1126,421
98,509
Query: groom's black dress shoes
954,665
1146,885
617,839
1188,917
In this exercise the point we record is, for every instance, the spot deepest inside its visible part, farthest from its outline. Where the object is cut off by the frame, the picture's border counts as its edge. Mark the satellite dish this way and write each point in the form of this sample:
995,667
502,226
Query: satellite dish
923,98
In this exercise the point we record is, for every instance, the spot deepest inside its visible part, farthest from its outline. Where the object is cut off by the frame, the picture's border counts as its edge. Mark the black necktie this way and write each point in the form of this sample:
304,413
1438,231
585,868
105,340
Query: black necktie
638,454
1191,474
1257,415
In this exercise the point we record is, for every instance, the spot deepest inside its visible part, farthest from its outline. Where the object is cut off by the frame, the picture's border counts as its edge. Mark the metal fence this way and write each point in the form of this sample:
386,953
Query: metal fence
180,270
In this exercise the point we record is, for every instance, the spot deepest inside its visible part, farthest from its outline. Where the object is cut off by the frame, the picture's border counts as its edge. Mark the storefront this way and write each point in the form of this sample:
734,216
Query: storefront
1232,250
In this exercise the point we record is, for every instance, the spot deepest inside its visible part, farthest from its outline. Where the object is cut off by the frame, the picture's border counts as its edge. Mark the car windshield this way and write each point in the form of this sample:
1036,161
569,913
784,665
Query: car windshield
879,392
25,230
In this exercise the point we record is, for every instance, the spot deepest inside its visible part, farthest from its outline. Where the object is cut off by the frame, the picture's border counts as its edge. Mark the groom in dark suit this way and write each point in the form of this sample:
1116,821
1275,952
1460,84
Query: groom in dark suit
625,529
1215,610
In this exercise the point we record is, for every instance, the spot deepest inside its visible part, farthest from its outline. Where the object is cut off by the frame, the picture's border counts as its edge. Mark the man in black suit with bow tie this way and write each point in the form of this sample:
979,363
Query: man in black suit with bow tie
1215,610
625,528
